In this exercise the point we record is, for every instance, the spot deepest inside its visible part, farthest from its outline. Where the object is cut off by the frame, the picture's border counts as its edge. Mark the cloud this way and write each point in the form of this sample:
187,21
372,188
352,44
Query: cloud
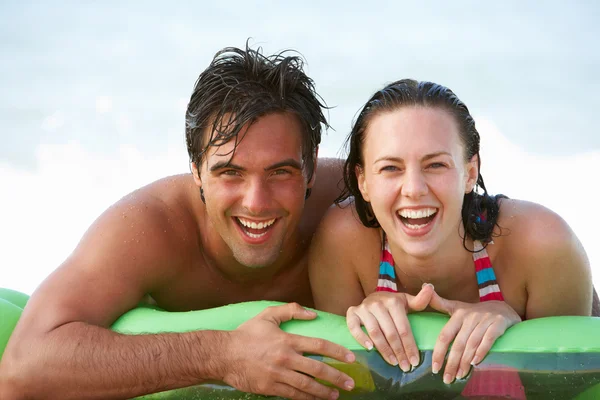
104,104
49,209
53,122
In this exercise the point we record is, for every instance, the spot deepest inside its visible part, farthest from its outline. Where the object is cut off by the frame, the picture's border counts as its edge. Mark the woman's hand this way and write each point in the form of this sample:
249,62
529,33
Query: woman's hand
384,316
474,327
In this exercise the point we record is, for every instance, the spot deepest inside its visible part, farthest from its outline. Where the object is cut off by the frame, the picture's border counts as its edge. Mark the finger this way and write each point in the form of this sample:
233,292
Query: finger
493,332
354,326
473,344
376,336
288,392
322,371
392,331
467,325
410,349
446,336
386,342
421,300
443,305
310,345
287,312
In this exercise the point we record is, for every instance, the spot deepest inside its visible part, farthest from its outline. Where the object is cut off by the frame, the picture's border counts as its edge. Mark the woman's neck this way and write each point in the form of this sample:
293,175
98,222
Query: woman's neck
449,269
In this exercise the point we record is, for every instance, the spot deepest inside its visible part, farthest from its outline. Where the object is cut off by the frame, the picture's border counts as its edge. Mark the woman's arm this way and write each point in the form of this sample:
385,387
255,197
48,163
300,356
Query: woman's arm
557,271
340,244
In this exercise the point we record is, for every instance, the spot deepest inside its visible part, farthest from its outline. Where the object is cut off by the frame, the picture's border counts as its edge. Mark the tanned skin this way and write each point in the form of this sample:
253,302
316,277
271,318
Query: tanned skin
160,241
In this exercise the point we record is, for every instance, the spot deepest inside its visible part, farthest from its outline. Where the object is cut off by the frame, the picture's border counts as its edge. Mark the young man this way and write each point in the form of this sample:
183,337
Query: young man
236,229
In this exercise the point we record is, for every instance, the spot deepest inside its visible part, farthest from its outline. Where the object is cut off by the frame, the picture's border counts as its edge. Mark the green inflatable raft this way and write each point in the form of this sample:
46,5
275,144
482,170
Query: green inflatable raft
545,358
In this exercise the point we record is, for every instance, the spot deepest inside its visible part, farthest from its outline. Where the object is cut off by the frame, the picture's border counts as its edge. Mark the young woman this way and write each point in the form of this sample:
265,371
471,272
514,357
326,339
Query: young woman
416,229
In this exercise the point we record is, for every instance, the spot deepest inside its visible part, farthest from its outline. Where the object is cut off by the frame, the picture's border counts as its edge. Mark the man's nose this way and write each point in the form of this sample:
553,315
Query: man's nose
257,196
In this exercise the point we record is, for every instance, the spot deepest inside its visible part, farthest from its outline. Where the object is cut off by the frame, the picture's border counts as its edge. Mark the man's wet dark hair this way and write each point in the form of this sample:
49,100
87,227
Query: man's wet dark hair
240,86
479,210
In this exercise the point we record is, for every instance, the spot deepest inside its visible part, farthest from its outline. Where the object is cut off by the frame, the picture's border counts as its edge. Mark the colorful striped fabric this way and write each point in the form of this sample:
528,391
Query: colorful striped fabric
387,275
486,279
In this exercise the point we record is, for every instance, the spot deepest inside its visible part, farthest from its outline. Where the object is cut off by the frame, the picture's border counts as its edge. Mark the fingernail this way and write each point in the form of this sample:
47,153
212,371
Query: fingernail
309,312
334,395
414,361
405,366
435,367
448,379
350,357
349,385
425,284
460,374
369,345
475,361
393,360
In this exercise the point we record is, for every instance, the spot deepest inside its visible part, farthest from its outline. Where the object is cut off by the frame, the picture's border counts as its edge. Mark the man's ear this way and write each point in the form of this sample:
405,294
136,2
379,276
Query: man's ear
362,186
196,174
472,174
311,183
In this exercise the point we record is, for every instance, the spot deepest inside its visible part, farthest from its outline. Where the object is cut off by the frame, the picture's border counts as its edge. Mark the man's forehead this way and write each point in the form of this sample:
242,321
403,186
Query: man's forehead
275,135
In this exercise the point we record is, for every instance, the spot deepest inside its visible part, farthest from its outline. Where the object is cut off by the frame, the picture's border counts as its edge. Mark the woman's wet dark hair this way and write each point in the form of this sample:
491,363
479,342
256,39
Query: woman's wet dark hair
240,86
479,210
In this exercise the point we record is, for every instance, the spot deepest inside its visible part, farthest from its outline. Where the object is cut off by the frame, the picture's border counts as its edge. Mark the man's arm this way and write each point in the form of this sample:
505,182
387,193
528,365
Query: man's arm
62,347
62,336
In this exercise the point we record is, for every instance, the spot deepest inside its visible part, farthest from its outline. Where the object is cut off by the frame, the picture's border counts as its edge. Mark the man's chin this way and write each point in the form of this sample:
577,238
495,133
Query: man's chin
256,262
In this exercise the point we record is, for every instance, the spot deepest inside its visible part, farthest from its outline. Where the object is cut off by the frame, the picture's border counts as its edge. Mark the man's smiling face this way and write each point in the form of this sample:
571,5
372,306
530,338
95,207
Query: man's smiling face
255,194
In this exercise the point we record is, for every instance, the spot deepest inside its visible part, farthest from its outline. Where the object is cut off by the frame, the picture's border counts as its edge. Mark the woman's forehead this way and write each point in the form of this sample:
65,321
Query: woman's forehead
412,129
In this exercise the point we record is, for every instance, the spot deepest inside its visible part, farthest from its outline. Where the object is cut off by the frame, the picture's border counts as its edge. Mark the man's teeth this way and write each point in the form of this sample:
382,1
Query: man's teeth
420,213
254,225
254,235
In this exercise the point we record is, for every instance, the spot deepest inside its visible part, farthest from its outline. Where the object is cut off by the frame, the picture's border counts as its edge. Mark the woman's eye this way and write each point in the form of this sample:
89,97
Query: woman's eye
436,165
390,168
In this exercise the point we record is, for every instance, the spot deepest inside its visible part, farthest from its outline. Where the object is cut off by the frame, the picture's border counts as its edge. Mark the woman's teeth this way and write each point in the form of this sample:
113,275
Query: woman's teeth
417,219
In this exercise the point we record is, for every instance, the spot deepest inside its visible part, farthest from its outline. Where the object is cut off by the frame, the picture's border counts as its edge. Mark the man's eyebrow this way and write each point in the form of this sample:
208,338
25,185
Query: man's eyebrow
290,162
225,164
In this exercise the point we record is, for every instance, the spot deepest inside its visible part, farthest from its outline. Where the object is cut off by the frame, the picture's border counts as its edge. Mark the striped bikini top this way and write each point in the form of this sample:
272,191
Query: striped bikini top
486,279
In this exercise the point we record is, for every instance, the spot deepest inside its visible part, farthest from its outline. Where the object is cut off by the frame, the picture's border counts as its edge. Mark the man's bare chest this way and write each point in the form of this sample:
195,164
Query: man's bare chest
198,288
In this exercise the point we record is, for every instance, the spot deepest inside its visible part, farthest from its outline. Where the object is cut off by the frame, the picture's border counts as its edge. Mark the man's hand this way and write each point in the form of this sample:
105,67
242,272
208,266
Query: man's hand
384,316
472,330
265,360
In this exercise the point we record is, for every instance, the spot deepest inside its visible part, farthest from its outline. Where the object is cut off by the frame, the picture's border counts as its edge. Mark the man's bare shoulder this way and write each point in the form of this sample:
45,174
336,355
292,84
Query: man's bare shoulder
138,245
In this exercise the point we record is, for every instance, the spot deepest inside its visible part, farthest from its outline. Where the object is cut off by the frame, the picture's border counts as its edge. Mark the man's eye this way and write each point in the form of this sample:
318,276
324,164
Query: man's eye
230,172
281,172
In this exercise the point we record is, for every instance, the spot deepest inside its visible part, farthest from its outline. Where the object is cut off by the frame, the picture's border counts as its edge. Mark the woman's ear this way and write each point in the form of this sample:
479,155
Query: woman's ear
472,174
362,185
